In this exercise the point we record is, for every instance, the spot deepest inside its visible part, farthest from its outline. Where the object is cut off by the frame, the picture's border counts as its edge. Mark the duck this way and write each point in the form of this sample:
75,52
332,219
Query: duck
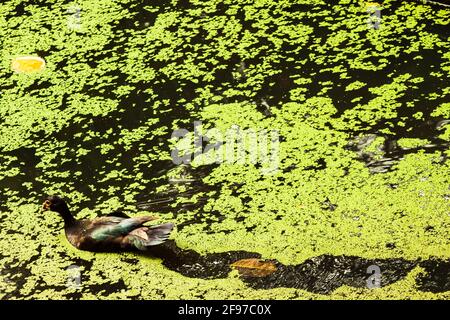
115,231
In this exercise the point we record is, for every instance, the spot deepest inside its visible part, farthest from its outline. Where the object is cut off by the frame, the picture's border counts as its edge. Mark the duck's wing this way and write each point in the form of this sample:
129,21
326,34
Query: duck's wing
104,228
144,237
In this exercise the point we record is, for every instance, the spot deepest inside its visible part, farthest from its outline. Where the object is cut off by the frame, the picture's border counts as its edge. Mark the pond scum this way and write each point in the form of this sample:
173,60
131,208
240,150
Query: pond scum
364,142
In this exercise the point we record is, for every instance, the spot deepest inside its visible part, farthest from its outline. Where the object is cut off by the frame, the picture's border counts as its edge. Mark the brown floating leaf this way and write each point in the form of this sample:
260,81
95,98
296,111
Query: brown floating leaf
254,267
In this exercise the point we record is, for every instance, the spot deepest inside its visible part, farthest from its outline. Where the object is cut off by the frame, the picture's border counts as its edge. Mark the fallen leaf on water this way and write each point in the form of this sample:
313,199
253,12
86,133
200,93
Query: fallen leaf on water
28,64
254,267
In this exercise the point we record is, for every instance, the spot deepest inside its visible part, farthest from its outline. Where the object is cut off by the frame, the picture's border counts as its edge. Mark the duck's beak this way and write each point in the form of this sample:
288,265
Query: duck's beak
46,205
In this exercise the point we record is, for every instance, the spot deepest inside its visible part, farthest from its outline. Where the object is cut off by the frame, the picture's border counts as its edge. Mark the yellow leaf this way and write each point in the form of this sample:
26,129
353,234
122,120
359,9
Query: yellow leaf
28,64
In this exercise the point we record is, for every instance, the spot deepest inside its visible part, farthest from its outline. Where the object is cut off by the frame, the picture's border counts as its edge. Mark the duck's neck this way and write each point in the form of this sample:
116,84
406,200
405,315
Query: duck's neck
69,220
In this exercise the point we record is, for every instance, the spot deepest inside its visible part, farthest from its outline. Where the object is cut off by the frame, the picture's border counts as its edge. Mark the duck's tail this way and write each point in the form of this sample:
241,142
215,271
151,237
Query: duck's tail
145,237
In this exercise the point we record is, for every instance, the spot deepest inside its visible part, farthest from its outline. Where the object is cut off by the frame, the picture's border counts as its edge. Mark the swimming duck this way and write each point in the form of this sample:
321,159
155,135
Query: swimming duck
112,232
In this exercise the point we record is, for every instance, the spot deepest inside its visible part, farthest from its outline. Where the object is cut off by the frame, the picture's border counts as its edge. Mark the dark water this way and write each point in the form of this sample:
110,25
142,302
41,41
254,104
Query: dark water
322,274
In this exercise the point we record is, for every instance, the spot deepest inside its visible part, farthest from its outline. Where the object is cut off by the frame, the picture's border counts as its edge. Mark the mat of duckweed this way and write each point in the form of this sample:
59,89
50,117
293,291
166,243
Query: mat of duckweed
362,177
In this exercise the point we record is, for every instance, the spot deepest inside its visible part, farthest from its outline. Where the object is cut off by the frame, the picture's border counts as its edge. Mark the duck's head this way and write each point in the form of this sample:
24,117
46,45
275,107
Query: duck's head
56,204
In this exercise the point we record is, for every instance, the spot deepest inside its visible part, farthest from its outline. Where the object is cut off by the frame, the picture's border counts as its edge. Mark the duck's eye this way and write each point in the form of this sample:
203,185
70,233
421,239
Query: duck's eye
46,205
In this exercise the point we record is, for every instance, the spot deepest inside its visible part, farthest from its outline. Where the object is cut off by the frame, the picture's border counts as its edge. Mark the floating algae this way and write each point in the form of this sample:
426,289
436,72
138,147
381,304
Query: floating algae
363,175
